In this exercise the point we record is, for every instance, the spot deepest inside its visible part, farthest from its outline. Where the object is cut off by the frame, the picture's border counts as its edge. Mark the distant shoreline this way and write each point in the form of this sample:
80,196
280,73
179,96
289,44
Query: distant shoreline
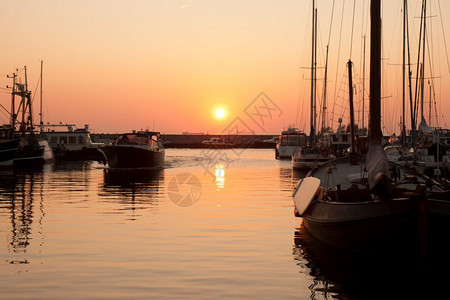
200,140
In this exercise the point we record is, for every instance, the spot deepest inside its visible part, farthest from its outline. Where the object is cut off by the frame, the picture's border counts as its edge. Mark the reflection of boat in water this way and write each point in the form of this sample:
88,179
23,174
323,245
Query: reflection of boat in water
73,143
132,188
134,177
393,274
142,149
20,201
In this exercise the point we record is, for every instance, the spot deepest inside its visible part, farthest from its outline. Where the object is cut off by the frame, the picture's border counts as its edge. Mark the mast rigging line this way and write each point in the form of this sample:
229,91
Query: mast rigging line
339,49
443,35
430,62
353,25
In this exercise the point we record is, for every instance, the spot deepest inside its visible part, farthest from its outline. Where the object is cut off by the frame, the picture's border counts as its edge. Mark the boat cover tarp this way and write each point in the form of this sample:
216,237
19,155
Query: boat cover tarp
423,126
377,166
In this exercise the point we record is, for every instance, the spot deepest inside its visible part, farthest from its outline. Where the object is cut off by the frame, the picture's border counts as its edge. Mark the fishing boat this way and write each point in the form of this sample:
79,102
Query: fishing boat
289,142
72,143
32,150
352,203
142,149
8,147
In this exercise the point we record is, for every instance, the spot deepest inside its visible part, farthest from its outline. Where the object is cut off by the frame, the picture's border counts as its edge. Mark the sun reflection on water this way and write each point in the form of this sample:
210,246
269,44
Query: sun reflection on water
219,172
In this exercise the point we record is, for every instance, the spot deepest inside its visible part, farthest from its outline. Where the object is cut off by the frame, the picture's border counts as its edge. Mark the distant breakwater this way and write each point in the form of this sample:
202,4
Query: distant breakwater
202,140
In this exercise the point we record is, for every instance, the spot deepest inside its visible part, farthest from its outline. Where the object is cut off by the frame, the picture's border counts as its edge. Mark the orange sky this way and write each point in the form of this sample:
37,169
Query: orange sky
123,65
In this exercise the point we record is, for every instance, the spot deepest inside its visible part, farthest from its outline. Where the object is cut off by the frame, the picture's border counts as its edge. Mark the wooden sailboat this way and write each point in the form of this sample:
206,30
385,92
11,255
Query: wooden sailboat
356,206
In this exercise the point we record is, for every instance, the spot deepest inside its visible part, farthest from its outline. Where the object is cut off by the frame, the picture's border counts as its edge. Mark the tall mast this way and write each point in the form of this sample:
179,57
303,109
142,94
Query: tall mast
364,89
411,104
315,73
375,73
429,106
312,73
403,78
324,107
352,118
423,54
40,113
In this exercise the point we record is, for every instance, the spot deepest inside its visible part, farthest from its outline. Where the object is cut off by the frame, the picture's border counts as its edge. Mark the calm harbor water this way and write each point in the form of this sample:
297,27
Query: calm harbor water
212,224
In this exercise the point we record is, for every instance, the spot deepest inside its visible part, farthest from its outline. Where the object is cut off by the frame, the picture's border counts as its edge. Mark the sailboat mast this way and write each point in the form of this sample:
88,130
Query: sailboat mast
315,73
312,73
411,104
40,113
429,106
375,72
364,89
352,112
423,54
403,78
324,106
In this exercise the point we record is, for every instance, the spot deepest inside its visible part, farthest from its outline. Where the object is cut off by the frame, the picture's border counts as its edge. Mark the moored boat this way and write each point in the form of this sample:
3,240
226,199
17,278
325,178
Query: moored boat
289,143
72,143
358,205
142,149
8,147
32,150
310,157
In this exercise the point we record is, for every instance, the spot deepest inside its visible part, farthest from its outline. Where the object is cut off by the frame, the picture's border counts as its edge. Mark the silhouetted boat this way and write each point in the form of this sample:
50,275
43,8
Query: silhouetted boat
8,147
141,149
33,150
357,206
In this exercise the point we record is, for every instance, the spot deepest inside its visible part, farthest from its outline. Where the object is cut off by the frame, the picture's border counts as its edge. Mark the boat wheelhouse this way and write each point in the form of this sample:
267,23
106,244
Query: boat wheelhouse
289,143
142,149
72,143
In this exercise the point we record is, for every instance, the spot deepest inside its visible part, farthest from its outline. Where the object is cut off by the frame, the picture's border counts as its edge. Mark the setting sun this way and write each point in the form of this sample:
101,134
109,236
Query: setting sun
220,113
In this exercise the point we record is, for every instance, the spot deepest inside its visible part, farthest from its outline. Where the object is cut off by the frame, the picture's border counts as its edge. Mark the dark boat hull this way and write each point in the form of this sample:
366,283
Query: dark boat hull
435,224
362,226
8,150
132,157
82,154
33,153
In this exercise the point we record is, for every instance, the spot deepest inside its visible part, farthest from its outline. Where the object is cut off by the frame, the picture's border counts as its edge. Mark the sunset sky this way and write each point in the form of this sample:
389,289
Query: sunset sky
169,64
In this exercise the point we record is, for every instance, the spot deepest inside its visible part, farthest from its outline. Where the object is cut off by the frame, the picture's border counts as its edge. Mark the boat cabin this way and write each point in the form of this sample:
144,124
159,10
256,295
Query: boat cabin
292,137
140,138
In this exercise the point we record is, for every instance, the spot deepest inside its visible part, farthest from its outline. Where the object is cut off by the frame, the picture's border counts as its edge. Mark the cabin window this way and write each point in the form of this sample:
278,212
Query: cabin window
63,140
80,140
345,138
72,139
54,140
335,138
